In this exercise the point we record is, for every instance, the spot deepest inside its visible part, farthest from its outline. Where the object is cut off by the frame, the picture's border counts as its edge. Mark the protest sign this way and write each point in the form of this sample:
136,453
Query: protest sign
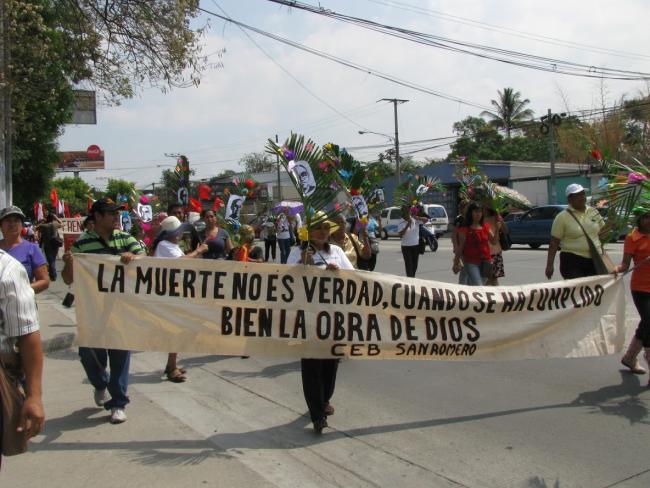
233,308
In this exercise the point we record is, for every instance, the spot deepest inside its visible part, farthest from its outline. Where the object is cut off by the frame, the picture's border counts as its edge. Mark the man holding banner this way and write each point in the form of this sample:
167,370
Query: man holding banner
105,239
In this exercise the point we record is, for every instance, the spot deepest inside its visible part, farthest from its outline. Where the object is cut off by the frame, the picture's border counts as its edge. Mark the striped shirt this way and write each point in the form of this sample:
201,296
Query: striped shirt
18,314
120,242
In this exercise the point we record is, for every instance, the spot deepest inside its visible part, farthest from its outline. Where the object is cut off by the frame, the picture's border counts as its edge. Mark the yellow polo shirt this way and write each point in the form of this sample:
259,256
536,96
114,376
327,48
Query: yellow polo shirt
572,238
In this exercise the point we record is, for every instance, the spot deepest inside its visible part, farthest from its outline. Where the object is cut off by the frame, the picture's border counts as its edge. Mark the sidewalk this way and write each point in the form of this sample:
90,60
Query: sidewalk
80,448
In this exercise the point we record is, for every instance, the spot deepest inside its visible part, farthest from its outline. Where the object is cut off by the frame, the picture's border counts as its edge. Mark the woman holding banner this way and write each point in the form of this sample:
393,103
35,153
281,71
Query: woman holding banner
319,375
473,247
216,238
166,245
637,248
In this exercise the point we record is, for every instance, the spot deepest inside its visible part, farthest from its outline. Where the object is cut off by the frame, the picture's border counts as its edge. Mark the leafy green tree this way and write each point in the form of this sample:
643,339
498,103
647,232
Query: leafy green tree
123,45
41,96
117,187
509,110
258,162
75,191
476,139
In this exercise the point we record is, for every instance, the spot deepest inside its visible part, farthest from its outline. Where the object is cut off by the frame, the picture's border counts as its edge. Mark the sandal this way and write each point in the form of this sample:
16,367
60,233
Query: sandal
175,375
182,370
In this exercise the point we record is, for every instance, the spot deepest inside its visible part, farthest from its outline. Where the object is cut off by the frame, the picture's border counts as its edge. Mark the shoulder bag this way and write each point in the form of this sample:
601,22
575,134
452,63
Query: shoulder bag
602,262
361,262
12,397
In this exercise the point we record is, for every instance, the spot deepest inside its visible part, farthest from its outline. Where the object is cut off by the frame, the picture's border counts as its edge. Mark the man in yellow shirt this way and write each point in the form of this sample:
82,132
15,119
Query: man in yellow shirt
567,234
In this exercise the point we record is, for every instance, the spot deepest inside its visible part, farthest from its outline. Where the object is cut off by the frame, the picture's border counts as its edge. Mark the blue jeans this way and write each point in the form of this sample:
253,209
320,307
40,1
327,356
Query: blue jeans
94,361
285,248
474,277
50,256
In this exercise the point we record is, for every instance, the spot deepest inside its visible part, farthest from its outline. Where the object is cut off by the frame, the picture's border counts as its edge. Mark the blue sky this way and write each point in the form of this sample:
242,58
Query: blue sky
236,108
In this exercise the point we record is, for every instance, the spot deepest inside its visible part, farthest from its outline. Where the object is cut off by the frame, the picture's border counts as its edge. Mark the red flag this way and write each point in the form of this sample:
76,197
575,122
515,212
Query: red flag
195,205
89,204
66,210
218,203
36,205
54,198
204,192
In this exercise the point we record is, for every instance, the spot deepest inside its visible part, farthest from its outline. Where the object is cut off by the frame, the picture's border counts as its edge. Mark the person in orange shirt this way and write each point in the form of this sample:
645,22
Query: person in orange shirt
637,247
246,251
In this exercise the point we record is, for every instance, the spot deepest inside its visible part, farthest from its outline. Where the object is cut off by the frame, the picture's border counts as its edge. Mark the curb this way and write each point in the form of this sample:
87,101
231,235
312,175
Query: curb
59,342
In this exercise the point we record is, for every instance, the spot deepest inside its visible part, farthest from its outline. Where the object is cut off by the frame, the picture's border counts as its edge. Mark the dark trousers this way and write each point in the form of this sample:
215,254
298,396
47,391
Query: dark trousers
642,302
318,382
411,256
269,249
285,248
95,360
50,256
574,266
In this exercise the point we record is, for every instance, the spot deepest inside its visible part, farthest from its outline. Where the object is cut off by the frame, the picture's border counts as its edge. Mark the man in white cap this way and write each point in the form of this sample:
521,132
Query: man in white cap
568,233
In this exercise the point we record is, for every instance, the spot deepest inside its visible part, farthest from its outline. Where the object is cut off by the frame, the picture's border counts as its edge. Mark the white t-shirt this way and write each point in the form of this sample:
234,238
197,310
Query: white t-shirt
334,256
412,236
283,229
166,249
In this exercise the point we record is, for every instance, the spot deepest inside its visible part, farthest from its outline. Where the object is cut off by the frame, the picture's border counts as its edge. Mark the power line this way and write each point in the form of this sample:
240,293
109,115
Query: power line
347,63
509,31
288,73
515,58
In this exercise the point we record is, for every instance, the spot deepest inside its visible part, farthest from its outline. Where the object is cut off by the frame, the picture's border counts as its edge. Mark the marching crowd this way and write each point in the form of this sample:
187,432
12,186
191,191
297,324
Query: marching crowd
477,239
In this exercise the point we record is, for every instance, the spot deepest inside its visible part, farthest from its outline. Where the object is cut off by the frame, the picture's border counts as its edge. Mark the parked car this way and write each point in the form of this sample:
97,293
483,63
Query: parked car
534,227
438,220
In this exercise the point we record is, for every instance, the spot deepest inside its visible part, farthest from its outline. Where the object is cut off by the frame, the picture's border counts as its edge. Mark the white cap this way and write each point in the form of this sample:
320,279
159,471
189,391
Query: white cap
574,188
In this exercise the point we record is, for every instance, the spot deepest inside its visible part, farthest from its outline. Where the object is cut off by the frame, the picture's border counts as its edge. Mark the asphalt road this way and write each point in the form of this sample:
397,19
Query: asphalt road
536,423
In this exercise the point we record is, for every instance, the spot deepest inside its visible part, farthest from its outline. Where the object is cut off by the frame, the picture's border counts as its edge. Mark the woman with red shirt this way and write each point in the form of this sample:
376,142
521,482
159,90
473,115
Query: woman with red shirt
637,247
473,246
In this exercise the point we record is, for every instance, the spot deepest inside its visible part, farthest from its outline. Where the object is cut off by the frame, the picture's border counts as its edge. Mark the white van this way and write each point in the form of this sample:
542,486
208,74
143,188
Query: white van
391,216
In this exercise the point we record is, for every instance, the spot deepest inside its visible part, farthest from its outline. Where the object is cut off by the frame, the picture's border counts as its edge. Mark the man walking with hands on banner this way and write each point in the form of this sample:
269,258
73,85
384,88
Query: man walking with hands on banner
105,239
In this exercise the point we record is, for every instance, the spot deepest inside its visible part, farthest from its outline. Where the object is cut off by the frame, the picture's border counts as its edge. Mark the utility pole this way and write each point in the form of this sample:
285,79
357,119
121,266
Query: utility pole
277,160
395,101
6,194
551,150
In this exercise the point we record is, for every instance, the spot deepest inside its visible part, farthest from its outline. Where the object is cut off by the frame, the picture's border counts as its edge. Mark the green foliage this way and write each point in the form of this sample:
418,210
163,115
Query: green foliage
124,45
509,111
479,140
258,162
117,187
75,191
41,96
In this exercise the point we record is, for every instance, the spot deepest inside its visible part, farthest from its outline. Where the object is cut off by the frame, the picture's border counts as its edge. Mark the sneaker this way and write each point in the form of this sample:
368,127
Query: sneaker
101,397
118,415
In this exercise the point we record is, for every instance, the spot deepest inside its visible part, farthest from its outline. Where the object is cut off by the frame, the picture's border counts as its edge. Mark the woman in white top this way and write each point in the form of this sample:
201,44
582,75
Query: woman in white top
409,230
319,375
166,246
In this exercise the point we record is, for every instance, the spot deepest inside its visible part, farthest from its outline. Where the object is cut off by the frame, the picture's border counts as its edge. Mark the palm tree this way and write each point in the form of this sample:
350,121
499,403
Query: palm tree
509,110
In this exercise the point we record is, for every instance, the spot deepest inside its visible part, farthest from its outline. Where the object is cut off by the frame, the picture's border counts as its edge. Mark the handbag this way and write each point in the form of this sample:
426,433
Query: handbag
602,262
487,269
68,300
361,262
505,240
12,397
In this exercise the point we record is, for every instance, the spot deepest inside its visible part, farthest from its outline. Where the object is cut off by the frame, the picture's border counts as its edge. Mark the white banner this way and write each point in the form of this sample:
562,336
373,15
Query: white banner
234,308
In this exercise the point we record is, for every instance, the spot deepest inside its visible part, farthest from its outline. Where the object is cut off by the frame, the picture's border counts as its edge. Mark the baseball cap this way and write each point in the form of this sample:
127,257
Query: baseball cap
12,210
105,205
574,188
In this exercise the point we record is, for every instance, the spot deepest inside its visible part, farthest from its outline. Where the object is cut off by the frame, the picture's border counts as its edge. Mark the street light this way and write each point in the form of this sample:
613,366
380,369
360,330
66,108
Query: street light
390,138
